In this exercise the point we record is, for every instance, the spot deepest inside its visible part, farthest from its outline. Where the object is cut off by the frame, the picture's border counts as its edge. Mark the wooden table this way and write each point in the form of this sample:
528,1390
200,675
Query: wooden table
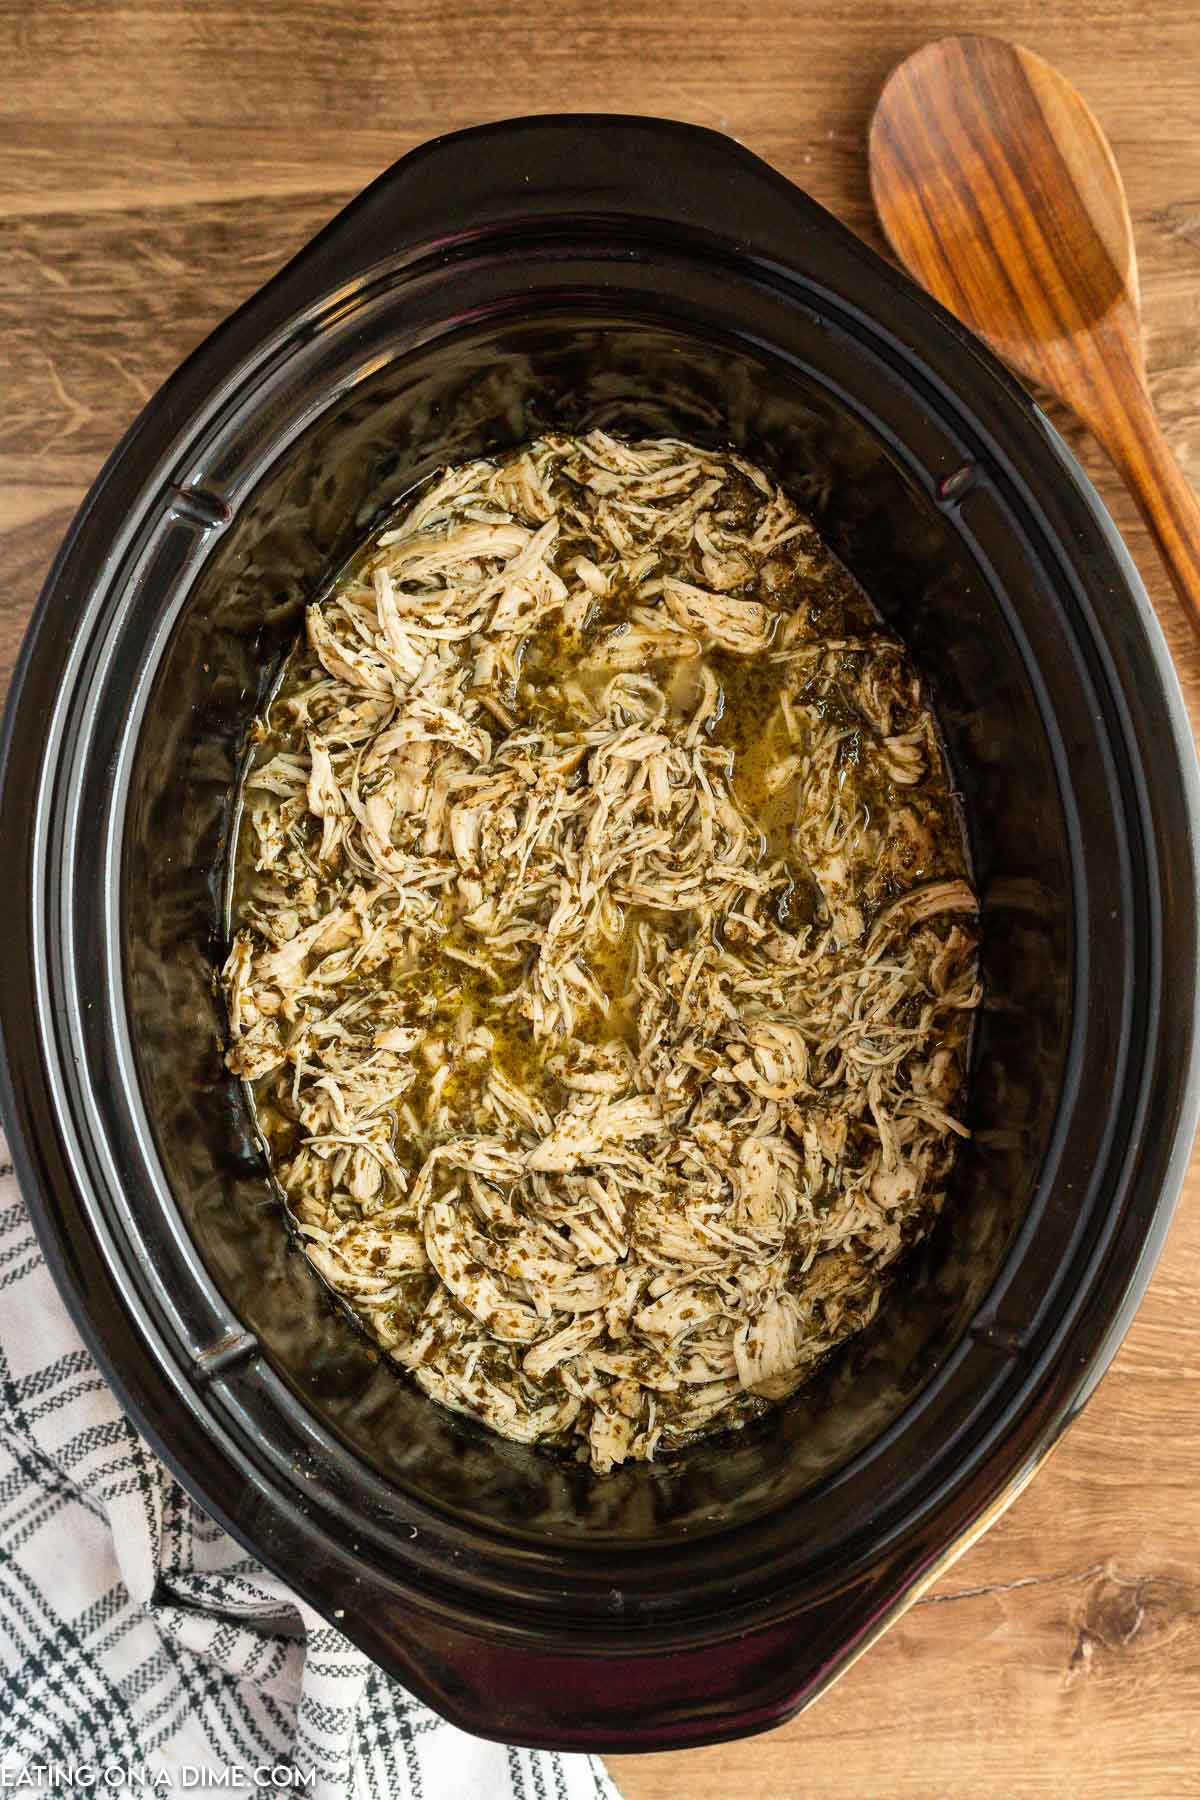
157,163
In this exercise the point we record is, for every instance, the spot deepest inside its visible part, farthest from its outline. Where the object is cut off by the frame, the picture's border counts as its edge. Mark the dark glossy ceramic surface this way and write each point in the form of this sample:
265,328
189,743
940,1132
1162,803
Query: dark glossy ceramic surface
646,277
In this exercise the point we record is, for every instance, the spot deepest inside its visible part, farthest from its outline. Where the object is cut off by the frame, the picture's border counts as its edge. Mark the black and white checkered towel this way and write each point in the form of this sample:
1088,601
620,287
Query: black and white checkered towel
140,1645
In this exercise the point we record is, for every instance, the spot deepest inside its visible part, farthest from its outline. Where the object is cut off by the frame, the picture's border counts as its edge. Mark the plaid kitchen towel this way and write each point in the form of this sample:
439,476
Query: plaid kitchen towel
142,1649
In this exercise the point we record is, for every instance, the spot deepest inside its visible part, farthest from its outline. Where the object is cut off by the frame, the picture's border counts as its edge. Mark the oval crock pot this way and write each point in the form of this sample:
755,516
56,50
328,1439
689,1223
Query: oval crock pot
645,276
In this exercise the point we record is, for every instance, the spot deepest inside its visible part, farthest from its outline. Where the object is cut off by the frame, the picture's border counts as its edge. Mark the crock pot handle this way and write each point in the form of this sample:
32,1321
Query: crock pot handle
577,167
603,1699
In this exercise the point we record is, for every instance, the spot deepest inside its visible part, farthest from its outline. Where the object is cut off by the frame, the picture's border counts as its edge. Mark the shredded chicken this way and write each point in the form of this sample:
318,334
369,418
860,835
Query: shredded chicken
605,957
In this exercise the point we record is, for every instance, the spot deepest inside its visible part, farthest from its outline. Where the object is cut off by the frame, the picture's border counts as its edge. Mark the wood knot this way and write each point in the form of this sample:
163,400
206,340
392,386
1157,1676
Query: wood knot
1126,1616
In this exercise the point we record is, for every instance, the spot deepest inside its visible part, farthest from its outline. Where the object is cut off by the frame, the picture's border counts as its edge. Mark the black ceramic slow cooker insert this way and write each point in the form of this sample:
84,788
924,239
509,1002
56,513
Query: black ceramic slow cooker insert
646,277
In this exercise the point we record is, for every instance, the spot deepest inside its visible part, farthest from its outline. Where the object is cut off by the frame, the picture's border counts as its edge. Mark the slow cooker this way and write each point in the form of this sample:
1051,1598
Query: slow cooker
647,277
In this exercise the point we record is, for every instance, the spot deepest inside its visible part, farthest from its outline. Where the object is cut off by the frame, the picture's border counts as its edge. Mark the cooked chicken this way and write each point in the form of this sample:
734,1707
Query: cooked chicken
605,957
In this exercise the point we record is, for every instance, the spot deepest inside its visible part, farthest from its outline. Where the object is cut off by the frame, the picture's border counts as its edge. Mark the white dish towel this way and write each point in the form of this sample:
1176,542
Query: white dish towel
136,1645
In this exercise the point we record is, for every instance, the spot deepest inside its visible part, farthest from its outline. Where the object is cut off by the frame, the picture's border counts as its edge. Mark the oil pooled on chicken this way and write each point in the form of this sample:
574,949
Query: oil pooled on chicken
605,957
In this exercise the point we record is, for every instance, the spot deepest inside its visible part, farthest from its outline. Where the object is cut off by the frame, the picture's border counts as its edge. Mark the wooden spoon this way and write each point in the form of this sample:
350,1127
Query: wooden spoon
999,191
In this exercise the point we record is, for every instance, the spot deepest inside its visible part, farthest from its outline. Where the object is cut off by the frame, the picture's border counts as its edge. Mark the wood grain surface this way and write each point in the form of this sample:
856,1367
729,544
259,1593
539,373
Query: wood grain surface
158,161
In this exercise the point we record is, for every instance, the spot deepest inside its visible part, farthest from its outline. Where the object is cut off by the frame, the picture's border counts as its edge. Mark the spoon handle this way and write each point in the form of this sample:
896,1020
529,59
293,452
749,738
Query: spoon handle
1137,444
